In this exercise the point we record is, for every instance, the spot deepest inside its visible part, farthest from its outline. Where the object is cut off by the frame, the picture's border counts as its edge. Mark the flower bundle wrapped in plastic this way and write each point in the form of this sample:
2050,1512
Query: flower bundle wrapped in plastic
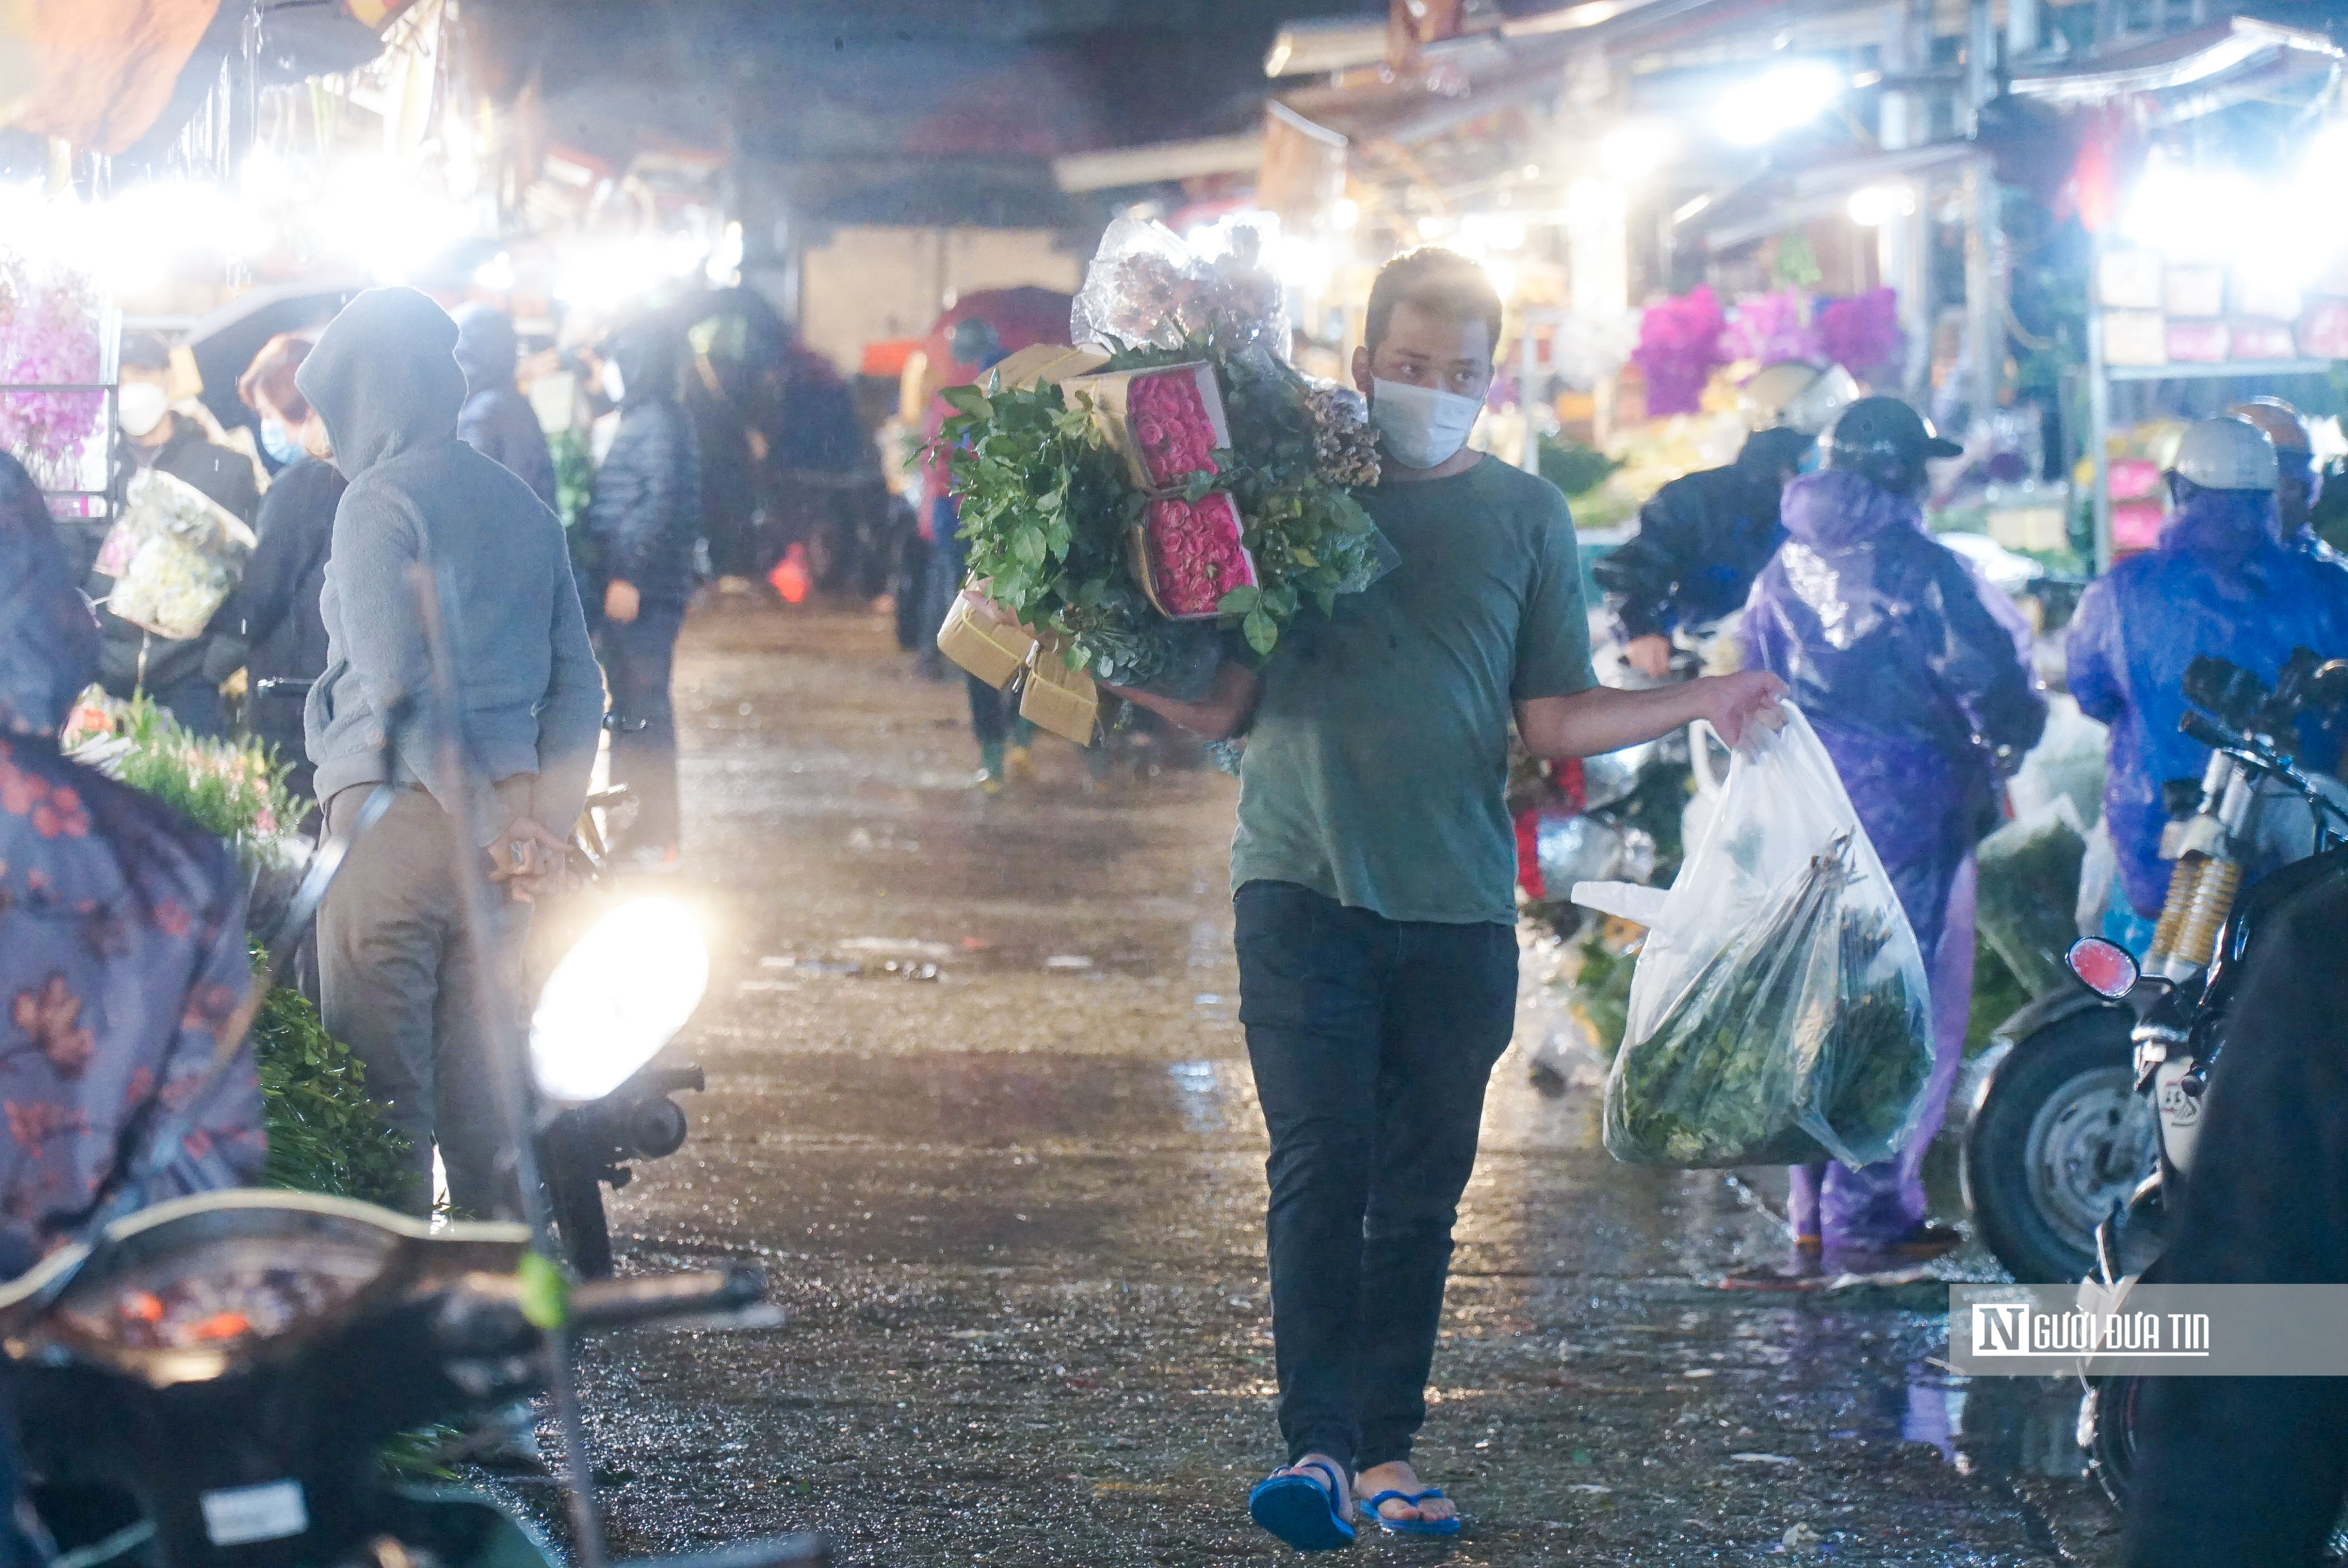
175,557
1180,480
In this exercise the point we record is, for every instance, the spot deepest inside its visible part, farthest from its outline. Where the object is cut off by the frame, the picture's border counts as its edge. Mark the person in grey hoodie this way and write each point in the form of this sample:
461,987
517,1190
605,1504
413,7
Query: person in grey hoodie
497,421
400,982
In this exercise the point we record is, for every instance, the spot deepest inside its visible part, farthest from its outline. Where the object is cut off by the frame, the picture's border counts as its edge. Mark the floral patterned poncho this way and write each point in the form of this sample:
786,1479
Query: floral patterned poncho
122,947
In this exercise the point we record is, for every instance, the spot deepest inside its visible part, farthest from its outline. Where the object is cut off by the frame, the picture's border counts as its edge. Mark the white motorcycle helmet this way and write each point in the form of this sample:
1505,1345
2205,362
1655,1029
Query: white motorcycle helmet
2226,453
1794,395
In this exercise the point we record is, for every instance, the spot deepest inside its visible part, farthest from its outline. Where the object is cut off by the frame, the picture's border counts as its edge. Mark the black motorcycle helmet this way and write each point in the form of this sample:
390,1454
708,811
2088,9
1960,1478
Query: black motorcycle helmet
1889,442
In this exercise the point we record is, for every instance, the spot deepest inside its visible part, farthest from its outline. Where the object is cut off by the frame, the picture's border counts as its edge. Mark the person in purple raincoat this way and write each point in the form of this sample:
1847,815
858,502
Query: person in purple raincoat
121,936
1916,676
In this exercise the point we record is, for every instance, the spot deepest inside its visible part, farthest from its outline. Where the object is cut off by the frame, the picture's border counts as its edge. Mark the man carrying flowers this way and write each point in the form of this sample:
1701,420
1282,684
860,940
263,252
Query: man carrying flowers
1372,874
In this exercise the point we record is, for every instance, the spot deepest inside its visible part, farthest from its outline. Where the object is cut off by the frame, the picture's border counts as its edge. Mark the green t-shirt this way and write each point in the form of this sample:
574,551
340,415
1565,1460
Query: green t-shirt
1376,771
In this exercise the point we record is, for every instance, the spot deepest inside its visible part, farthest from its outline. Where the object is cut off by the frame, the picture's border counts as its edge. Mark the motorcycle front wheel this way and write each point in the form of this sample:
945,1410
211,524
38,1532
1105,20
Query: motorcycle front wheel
574,1193
2061,1138
2112,1447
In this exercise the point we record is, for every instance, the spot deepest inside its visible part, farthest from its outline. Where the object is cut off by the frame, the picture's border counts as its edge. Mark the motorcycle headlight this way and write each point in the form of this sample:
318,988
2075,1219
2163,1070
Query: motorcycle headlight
616,998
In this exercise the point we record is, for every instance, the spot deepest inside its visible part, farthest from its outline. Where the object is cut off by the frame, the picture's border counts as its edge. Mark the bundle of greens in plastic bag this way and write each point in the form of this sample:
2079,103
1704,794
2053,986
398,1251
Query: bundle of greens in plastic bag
1779,1012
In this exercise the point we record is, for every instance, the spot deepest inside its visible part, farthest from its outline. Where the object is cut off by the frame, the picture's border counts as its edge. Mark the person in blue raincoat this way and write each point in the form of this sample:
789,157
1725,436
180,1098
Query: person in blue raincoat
2220,581
1916,675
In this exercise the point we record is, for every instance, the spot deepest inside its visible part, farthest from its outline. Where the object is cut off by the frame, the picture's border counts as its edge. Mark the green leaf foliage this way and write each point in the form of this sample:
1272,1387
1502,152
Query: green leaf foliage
325,1134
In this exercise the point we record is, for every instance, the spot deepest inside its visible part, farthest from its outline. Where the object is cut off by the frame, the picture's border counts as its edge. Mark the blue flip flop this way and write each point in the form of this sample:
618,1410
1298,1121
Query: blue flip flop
1303,1512
1411,1526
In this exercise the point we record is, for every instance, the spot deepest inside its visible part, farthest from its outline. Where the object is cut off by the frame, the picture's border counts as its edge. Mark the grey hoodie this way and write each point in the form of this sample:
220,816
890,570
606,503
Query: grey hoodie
529,696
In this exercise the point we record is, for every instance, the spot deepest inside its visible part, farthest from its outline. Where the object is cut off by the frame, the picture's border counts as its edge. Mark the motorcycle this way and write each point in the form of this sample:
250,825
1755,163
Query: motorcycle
2063,1128
2178,999
646,954
232,1365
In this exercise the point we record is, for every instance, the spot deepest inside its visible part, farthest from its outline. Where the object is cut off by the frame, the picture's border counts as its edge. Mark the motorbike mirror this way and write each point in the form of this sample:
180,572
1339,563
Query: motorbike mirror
616,998
2104,967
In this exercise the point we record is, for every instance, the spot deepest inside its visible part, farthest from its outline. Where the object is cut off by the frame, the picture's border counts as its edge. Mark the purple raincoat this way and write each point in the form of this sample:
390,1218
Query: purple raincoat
2217,583
1916,675
121,935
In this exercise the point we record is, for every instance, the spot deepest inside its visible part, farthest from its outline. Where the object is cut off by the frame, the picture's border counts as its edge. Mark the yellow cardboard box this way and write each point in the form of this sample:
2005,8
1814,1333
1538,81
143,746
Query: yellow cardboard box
1059,699
993,653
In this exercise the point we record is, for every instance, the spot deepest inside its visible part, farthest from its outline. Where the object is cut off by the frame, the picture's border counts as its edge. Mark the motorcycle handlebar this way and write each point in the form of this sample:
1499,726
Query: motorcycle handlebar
617,1303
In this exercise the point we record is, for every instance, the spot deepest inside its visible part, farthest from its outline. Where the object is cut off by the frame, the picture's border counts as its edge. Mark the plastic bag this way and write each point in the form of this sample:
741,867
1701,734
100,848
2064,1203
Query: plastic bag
1147,288
175,556
2067,762
2028,891
1779,1012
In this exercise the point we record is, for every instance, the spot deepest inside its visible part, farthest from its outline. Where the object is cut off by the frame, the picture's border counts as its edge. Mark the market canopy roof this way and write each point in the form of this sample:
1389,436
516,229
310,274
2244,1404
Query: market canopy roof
2193,73
111,76
1768,204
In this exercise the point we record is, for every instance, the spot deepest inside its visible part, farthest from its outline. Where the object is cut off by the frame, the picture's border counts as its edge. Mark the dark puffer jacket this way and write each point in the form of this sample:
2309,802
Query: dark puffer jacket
497,421
647,514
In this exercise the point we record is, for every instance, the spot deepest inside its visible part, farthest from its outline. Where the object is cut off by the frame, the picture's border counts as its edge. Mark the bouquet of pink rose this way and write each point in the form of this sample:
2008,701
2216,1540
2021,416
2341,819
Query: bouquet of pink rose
1189,481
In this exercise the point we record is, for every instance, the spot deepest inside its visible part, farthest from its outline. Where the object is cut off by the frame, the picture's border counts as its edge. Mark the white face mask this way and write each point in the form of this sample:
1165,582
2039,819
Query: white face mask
139,407
1421,426
615,386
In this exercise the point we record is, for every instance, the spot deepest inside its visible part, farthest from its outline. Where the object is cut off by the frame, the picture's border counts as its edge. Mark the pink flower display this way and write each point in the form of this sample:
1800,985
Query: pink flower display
1770,327
1171,426
1862,334
48,336
1194,553
1679,346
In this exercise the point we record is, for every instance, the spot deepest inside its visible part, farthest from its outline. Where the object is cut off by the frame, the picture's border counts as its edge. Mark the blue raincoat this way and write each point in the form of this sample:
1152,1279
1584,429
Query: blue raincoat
1916,675
2219,583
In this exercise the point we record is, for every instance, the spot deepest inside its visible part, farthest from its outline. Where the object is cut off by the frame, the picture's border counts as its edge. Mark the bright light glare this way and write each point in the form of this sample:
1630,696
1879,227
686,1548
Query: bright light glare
1634,151
1492,232
1302,263
611,273
1347,213
496,274
2278,237
1775,102
616,998
725,261
1873,206
387,217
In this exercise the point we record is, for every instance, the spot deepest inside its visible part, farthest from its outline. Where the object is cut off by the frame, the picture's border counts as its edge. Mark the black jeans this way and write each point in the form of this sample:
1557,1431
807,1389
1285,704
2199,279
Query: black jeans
1372,1040
991,711
637,658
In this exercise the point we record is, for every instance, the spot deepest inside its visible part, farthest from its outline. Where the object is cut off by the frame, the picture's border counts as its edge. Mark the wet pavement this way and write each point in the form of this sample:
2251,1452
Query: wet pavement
978,1102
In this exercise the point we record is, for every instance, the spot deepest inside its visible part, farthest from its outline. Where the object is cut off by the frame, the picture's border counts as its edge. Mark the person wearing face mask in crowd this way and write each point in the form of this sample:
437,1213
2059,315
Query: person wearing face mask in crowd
271,624
177,675
1373,870
1916,675
1704,537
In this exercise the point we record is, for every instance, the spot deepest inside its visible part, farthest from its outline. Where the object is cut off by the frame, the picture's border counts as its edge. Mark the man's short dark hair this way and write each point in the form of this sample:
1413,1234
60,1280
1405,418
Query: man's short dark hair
1439,282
